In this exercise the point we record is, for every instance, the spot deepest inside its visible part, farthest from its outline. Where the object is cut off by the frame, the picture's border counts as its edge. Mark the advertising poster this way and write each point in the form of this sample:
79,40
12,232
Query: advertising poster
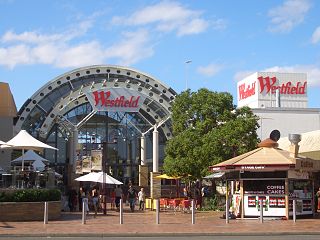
86,163
96,160
78,164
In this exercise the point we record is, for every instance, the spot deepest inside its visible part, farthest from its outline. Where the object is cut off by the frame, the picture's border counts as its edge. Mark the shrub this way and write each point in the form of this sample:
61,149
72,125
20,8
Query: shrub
212,203
31,195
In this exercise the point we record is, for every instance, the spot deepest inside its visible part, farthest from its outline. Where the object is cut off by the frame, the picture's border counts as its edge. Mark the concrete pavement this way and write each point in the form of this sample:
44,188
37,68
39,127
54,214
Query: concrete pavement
144,224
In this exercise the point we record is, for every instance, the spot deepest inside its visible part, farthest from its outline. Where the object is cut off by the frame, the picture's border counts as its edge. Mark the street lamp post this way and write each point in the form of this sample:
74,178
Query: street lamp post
186,73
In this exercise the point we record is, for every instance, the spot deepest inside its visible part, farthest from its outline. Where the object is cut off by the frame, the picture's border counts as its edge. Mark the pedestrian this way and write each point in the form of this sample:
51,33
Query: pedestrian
113,199
132,195
85,200
318,196
118,195
95,200
142,199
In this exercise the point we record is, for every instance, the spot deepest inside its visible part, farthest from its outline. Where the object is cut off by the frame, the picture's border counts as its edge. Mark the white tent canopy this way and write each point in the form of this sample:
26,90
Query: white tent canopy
2,143
38,165
98,177
30,155
23,140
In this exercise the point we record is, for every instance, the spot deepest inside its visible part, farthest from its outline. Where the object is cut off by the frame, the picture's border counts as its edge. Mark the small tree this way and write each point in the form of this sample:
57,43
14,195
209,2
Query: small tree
207,129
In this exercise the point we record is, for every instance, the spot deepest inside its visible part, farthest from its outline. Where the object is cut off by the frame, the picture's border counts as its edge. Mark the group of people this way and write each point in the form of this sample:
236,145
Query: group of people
96,199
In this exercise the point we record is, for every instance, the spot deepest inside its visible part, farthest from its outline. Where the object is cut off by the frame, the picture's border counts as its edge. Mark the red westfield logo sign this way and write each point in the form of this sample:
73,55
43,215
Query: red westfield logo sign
103,98
269,85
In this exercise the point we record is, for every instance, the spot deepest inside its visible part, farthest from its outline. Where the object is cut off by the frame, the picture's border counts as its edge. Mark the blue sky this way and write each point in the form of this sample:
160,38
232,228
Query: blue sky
225,40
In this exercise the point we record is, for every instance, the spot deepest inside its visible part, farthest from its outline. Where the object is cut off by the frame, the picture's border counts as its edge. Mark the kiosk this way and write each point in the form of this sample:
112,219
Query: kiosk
272,175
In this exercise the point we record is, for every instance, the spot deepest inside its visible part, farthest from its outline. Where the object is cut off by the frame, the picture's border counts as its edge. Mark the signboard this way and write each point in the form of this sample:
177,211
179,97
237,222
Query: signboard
96,160
267,187
259,90
86,163
115,100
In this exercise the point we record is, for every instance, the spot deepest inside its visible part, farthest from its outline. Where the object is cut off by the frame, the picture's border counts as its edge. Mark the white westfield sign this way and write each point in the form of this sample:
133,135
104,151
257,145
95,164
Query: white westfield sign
115,100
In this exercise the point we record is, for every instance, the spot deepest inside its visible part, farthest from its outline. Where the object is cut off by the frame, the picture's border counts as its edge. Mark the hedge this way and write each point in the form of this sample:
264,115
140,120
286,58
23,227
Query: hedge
31,195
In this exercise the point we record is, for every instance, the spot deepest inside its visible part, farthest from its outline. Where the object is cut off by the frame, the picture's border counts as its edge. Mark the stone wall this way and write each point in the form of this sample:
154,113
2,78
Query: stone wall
28,211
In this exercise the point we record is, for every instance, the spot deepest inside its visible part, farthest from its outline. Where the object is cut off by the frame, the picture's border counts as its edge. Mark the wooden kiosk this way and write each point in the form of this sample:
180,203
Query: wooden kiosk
272,175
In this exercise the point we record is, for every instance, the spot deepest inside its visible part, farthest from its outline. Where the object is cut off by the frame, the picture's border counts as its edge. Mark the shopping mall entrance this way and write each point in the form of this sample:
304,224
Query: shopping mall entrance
98,113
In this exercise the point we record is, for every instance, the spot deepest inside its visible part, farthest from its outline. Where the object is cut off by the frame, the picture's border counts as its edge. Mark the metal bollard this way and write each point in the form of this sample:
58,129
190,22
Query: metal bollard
193,219
157,211
294,215
83,212
261,211
45,217
121,211
227,211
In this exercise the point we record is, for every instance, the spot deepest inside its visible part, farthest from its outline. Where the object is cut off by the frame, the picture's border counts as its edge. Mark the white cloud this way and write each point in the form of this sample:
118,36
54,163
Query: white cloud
242,75
290,14
210,70
12,56
312,71
134,47
316,36
57,50
168,16
193,27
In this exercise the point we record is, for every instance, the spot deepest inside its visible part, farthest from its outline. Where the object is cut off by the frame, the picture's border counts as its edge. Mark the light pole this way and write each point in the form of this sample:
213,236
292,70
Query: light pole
186,72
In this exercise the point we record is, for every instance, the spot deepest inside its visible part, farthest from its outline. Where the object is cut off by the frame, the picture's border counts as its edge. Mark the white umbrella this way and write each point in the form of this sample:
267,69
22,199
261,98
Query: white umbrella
38,165
2,143
23,140
30,155
98,177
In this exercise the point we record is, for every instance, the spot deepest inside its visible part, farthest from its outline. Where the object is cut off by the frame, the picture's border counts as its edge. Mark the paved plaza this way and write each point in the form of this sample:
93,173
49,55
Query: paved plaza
144,224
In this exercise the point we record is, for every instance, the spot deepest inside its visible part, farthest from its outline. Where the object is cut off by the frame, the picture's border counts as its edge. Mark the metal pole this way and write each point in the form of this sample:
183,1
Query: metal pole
227,209
121,211
261,211
193,219
45,221
157,211
294,216
83,212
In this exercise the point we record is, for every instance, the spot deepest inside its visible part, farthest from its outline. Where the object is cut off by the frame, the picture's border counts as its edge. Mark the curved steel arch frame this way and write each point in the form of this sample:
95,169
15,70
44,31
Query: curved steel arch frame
67,91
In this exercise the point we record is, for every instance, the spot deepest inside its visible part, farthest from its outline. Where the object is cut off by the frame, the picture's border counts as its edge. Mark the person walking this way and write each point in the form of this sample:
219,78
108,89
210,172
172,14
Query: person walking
318,198
95,200
118,195
142,199
132,195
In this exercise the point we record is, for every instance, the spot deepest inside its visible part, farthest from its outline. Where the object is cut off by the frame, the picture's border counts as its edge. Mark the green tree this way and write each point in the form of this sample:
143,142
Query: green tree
207,129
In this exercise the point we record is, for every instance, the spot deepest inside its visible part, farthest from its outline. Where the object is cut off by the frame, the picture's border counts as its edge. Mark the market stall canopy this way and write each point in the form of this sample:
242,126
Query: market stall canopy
267,156
2,143
165,176
30,155
98,177
215,175
23,140
309,145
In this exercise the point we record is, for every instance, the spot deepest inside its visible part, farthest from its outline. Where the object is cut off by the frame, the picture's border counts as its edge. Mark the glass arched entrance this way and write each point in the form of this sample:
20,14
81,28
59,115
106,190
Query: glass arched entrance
61,115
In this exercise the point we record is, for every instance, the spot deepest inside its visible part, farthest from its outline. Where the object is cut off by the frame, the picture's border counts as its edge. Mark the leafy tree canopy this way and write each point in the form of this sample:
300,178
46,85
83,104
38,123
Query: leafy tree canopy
207,129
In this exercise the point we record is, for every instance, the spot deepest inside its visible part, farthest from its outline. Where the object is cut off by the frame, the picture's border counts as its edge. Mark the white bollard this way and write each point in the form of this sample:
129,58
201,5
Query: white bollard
227,210
193,219
45,217
294,215
83,212
121,211
157,211
261,211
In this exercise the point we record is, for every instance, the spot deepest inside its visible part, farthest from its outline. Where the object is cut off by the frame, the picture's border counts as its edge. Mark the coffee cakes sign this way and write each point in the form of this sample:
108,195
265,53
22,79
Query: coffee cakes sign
115,100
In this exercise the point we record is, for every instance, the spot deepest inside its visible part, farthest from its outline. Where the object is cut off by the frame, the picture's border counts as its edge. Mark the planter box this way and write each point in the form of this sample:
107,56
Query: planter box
28,211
